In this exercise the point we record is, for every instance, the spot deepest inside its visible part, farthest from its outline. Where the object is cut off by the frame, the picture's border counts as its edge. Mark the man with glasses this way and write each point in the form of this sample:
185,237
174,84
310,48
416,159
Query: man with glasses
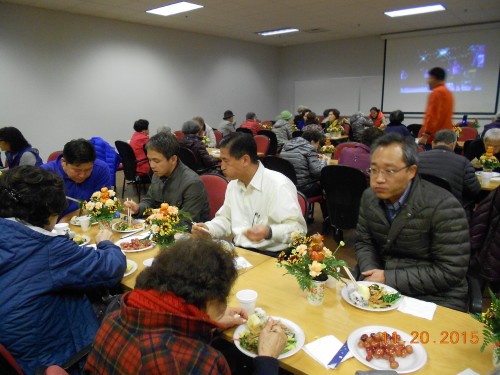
83,174
411,234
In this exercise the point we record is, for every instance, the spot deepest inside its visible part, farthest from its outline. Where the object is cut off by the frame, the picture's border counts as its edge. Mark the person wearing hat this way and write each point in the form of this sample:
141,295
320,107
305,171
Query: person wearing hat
252,123
228,125
283,128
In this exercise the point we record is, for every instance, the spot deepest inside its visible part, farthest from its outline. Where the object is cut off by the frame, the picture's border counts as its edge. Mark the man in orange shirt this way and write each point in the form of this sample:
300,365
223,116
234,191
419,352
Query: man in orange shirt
438,115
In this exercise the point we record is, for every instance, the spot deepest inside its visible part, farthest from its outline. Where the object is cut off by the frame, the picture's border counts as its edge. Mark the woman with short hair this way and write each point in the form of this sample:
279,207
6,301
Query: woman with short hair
138,141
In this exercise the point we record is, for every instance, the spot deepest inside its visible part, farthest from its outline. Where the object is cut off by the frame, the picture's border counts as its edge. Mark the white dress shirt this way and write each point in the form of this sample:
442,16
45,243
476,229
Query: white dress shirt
269,199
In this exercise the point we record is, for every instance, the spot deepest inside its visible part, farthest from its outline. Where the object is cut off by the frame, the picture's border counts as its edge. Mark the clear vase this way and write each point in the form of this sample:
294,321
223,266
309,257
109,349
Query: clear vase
316,293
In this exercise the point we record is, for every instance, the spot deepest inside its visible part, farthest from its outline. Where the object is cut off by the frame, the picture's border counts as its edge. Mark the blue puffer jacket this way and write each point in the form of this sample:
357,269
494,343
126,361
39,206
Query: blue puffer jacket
108,154
45,316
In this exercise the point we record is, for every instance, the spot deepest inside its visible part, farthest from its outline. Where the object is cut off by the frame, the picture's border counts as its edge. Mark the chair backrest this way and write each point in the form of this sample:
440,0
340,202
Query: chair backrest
436,180
179,135
218,137
414,129
8,365
347,129
466,150
468,134
262,143
280,165
216,186
128,159
302,203
343,188
188,158
297,133
54,155
244,130
340,147
273,141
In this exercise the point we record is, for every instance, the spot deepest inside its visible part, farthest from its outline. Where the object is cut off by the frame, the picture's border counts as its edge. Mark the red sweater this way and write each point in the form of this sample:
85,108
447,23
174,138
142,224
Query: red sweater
137,142
439,113
253,125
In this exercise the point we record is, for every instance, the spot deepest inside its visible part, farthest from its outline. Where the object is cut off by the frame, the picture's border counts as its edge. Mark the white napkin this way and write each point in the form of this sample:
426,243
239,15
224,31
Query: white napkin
242,263
324,348
419,308
468,371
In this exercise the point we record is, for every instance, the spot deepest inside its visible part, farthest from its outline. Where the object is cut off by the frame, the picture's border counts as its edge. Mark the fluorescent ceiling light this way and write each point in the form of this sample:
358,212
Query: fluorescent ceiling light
171,9
276,32
412,11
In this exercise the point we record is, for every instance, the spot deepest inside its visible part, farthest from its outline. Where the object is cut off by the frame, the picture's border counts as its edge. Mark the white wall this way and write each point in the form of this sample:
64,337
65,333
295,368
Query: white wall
66,76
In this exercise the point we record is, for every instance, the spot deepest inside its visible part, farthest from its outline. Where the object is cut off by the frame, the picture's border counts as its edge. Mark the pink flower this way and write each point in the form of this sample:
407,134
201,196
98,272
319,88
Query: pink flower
301,249
315,268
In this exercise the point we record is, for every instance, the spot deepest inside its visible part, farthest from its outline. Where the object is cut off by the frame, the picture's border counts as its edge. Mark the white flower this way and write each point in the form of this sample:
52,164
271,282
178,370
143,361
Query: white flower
172,210
111,193
315,268
110,203
90,206
98,205
155,228
96,196
327,252
301,249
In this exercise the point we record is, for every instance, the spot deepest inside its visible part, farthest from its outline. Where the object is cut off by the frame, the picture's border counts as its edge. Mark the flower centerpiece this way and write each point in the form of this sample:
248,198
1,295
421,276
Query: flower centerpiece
336,128
293,127
458,130
102,207
475,124
310,262
491,331
205,140
165,223
267,125
488,160
328,149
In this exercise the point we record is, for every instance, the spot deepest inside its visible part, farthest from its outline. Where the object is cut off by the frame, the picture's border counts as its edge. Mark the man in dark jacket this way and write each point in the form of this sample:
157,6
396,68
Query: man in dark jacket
441,161
172,182
411,234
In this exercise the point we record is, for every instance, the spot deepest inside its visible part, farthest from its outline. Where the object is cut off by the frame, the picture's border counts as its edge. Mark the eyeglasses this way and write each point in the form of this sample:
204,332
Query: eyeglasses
373,172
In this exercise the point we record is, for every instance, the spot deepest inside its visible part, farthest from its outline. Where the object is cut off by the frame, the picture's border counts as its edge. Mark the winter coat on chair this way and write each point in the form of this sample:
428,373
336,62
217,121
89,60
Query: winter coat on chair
107,154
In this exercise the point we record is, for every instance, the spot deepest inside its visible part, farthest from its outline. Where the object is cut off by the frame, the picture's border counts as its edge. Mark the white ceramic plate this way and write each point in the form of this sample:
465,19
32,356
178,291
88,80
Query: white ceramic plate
148,262
493,174
75,221
129,239
133,269
350,287
136,221
410,363
87,240
299,334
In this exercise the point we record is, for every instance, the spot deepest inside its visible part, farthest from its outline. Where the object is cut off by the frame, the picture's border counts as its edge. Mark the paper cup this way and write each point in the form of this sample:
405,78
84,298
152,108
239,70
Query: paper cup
486,178
62,229
84,222
247,299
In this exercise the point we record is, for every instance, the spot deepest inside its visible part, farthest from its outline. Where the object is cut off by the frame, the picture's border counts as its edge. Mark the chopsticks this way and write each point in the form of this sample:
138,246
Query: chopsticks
72,199
129,216
132,233
80,204
351,277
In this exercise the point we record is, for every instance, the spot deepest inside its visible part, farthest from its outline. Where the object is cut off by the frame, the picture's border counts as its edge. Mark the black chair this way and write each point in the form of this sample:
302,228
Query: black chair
436,180
189,159
130,175
244,130
280,165
273,141
297,133
343,187
414,129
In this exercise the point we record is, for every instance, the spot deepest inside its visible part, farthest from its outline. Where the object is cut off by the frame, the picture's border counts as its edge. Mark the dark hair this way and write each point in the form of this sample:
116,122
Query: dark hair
141,125
396,117
326,112
336,113
200,121
410,149
79,151
31,194
438,73
304,111
164,143
311,118
191,127
312,135
375,109
369,135
240,144
14,138
445,136
195,270
251,115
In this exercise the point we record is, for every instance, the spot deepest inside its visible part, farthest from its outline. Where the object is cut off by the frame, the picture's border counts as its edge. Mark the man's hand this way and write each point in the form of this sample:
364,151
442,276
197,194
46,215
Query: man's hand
233,316
257,233
272,340
134,207
103,235
200,230
374,275
422,140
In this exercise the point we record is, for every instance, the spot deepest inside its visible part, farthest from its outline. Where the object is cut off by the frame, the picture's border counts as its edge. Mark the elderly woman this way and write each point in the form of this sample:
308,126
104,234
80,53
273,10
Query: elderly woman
17,149
206,130
283,128
46,317
478,147
192,140
358,124
166,323
377,117
138,140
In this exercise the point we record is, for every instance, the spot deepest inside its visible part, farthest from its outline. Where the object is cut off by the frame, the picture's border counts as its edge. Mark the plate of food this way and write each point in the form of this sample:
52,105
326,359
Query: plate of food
372,296
386,348
75,220
131,267
246,336
81,239
123,227
135,243
493,174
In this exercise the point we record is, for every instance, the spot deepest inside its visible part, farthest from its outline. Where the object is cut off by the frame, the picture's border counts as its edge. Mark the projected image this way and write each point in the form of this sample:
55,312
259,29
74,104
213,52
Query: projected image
463,68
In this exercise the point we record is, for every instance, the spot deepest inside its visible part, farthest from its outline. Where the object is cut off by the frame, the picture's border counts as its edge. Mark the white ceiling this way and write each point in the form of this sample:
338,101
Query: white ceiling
241,19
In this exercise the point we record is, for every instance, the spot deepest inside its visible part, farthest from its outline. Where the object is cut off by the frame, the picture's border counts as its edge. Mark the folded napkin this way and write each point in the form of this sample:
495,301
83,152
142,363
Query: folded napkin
324,348
242,263
468,371
419,308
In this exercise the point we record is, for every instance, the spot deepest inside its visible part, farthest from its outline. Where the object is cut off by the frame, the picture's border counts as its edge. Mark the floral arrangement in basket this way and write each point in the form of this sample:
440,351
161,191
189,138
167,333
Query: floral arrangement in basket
488,160
165,223
458,130
491,321
102,206
327,149
205,140
267,125
310,260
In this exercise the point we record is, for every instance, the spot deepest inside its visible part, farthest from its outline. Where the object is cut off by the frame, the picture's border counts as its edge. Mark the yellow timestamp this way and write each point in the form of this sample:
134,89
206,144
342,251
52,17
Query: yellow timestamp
445,337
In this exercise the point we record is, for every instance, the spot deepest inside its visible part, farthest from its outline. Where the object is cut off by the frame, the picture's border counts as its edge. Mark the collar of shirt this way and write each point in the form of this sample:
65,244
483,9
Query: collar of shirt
396,206
257,180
